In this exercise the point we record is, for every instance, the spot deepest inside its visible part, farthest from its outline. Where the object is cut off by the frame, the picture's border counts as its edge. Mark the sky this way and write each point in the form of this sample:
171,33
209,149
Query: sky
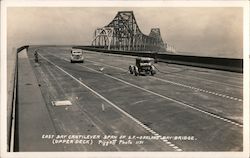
198,31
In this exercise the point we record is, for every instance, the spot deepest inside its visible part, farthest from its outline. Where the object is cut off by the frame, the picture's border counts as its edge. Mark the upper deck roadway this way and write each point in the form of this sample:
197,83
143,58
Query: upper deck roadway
205,105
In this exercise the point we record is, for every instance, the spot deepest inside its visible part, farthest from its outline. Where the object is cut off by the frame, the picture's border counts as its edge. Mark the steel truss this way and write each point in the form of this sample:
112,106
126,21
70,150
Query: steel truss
123,33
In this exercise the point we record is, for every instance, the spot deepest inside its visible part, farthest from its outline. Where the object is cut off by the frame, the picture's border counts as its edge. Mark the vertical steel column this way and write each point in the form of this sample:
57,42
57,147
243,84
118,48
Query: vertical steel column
127,35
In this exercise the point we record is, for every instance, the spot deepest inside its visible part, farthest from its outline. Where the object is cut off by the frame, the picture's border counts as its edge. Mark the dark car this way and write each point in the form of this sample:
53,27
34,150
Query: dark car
142,66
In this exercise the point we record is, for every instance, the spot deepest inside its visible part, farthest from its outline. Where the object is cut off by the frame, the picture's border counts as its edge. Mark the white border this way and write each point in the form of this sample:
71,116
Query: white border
122,3
246,70
3,107
5,4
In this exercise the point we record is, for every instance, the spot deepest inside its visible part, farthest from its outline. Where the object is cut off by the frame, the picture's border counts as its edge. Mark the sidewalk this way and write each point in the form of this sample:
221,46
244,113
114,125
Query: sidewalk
33,117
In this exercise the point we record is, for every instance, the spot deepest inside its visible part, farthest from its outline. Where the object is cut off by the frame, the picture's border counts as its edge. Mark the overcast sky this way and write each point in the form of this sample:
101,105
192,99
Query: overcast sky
197,31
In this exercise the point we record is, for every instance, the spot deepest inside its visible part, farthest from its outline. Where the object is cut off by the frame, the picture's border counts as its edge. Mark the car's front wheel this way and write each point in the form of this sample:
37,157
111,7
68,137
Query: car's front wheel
136,71
131,69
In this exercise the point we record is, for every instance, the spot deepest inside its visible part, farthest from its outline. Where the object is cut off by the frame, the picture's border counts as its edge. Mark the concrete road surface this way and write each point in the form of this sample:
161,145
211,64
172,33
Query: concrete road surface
181,108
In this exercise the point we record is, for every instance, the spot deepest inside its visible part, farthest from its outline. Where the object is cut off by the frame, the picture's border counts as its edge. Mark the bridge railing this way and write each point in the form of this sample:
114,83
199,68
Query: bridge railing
12,115
226,64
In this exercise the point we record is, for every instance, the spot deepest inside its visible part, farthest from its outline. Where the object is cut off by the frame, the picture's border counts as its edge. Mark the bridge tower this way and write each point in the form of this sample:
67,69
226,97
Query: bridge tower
123,33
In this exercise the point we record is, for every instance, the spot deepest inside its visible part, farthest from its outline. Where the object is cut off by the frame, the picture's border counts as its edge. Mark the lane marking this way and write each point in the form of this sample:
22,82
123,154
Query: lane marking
165,97
179,76
215,75
140,101
176,101
207,80
176,148
201,90
179,84
171,82
209,71
177,67
103,108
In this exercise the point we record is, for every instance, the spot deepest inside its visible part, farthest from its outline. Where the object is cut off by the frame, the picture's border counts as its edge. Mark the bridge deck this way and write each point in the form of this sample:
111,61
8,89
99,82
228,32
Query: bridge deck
205,105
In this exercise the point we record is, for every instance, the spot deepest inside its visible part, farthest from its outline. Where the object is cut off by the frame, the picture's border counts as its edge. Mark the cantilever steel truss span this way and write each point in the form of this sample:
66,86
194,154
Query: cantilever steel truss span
123,33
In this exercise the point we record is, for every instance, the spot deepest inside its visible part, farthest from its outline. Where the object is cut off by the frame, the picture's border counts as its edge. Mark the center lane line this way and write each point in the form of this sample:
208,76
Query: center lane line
162,96
174,68
178,84
174,83
164,139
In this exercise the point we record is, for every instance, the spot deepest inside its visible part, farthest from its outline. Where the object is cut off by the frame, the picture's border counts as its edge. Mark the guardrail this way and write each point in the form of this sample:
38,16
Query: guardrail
226,64
11,121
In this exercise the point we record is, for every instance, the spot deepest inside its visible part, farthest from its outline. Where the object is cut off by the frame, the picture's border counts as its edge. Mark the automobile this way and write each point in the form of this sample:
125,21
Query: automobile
76,56
143,65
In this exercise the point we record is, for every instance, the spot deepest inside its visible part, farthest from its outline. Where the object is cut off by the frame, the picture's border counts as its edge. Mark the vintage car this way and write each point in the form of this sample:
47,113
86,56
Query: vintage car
76,55
142,66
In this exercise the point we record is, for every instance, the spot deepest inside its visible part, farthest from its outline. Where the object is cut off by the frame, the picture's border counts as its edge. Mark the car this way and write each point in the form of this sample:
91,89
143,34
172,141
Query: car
76,55
143,65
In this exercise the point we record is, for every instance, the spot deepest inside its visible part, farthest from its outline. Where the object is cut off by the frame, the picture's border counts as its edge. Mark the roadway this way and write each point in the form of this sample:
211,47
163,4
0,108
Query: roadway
200,104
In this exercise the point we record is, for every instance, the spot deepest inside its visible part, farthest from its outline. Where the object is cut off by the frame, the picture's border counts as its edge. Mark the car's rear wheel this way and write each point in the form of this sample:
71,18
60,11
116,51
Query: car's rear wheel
152,72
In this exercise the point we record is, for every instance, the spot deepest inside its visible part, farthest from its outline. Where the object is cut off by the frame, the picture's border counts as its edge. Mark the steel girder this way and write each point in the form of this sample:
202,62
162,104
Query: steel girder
123,33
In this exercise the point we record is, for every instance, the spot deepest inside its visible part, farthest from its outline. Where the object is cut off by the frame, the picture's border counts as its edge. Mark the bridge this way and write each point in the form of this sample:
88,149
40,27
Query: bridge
188,108
191,104
123,33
